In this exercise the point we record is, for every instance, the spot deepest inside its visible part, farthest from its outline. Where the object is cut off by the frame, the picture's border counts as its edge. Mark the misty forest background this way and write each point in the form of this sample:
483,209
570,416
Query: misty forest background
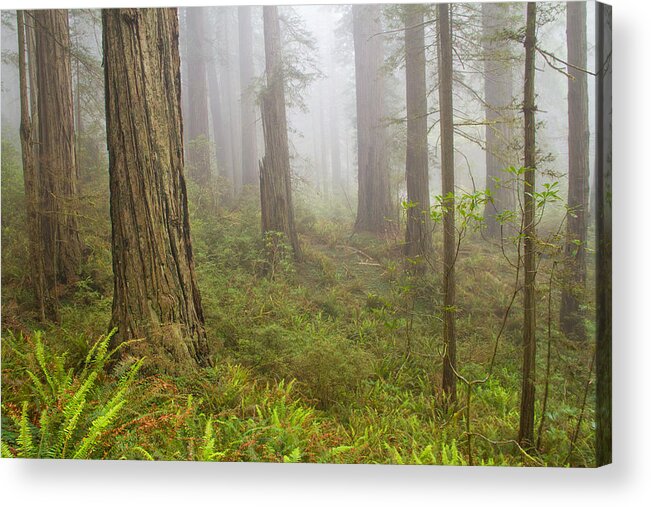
341,234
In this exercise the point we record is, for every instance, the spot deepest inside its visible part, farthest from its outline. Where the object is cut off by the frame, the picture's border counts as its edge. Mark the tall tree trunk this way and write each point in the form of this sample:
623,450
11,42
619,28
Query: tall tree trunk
62,247
447,188
373,190
498,93
578,172
323,145
275,175
30,171
418,239
155,296
197,120
528,397
247,102
604,415
233,92
333,123
220,123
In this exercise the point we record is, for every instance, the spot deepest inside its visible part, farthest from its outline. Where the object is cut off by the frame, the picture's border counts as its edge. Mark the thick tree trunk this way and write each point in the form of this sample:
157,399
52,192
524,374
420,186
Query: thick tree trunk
198,135
373,190
498,93
155,297
30,171
447,187
62,247
275,176
247,103
571,317
418,239
528,397
604,413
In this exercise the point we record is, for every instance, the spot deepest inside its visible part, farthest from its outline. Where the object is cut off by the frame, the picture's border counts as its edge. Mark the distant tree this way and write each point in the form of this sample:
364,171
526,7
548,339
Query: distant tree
275,175
247,99
220,122
198,134
498,94
374,195
155,295
604,192
62,246
28,141
333,124
418,239
528,395
448,201
578,140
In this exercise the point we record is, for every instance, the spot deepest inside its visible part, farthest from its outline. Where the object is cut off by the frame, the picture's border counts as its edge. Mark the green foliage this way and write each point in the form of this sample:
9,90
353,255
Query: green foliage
67,415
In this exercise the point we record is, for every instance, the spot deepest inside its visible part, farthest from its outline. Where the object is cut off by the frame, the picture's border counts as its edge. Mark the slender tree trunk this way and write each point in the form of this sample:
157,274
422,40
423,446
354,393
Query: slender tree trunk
275,175
333,123
247,103
528,397
498,93
323,145
62,247
234,93
447,187
604,233
30,172
220,123
578,173
155,297
373,190
418,239
197,121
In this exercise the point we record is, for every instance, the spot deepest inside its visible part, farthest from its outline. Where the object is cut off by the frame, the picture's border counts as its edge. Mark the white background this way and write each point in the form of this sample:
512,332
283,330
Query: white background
626,483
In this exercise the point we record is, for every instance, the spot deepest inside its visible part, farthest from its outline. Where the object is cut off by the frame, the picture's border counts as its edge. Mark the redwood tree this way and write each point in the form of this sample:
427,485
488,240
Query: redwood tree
198,135
498,93
373,191
61,244
448,202
418,240
578,141
155,296
275,177
28,141
528,395
247,101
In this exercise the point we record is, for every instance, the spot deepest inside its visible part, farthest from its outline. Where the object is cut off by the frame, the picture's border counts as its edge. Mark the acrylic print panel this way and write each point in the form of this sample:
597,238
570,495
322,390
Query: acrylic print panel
334,234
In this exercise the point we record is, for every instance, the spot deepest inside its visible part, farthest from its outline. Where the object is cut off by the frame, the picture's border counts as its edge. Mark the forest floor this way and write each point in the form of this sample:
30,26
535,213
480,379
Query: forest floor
336,359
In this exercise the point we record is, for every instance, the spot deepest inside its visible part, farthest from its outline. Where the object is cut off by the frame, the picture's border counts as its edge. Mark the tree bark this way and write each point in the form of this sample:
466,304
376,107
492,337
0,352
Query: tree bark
275,176
155,297
571,317
247,103
498,93
197,122
604,191
528,396
418,239
30,171
62,246
373,190
447,187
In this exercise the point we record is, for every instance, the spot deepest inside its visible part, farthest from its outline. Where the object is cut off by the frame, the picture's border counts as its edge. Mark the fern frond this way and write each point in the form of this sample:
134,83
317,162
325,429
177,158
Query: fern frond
25,442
